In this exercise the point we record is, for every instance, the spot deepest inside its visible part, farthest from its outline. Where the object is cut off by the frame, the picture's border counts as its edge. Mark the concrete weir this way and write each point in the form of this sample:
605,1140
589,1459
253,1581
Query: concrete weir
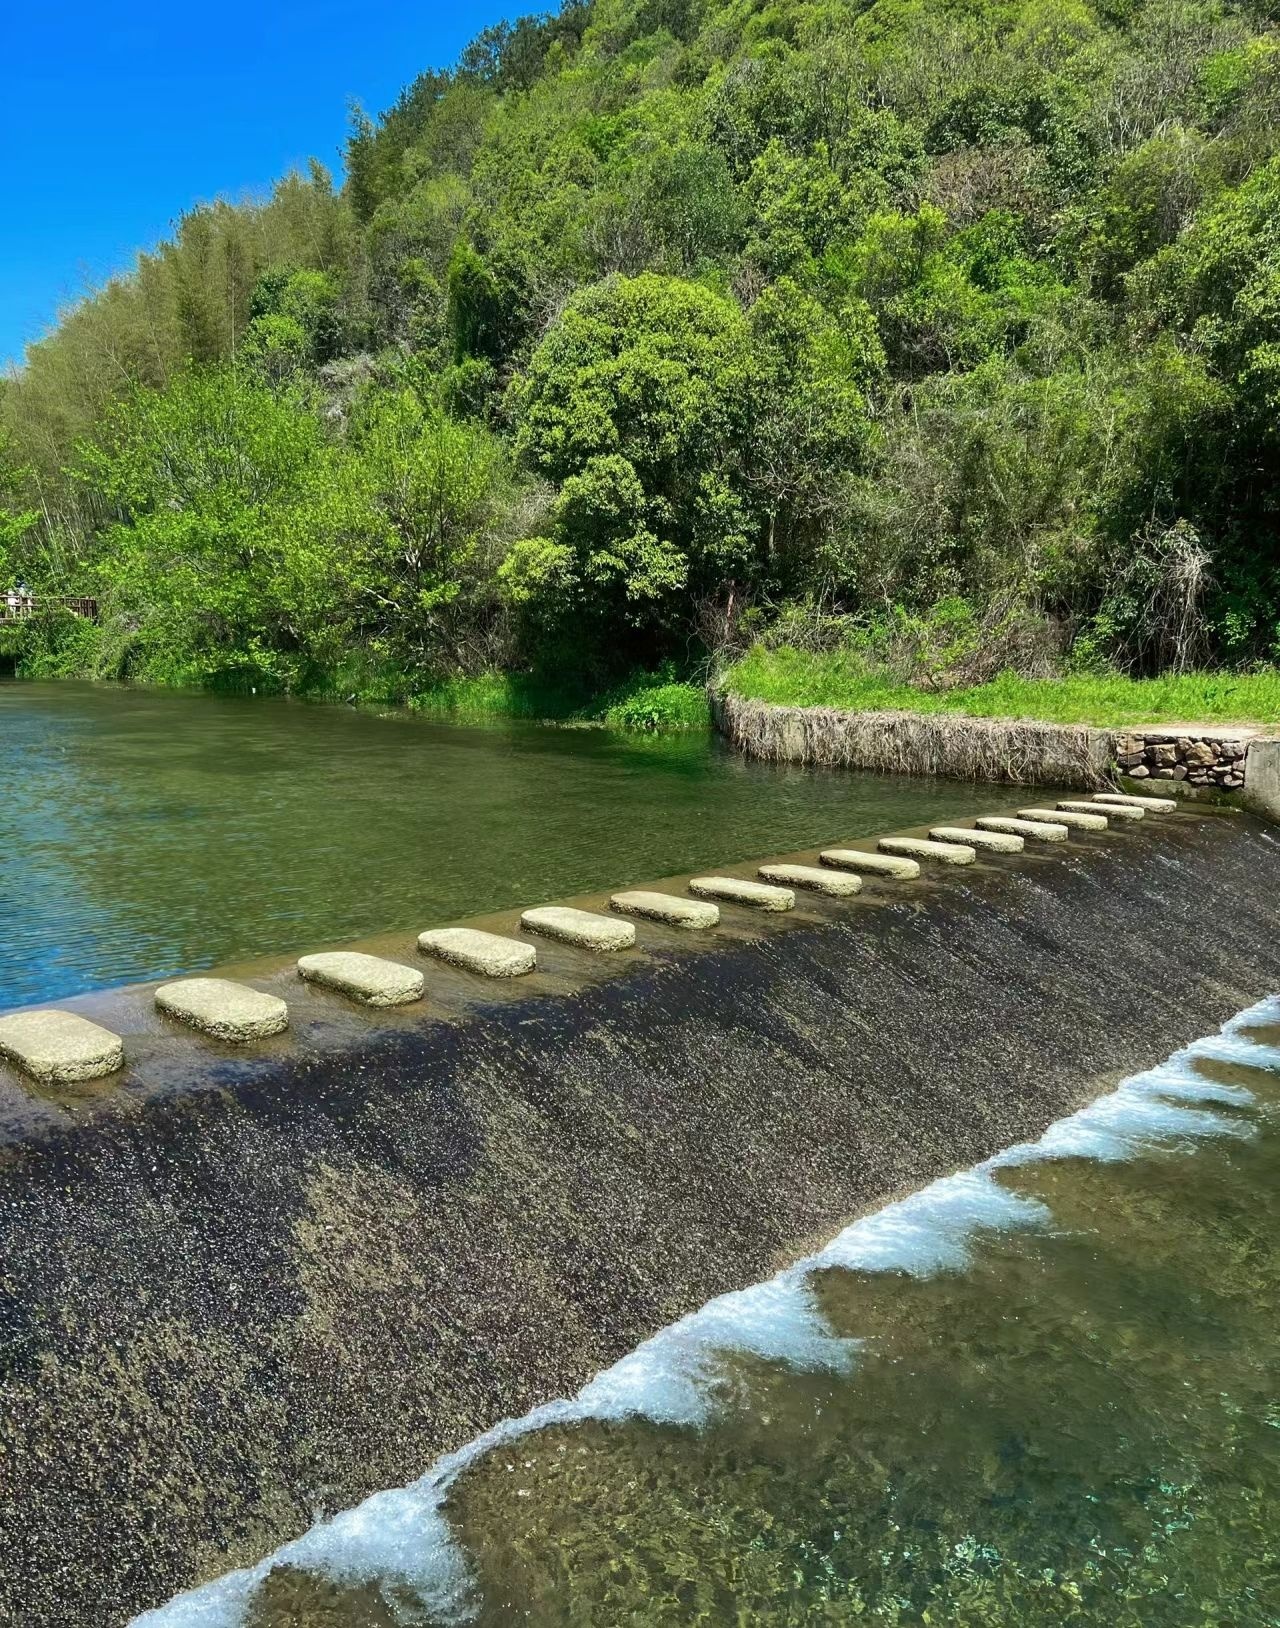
236,1286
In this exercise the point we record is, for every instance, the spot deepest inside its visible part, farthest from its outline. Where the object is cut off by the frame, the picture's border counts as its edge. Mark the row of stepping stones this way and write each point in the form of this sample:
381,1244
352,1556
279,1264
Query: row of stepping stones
57,1047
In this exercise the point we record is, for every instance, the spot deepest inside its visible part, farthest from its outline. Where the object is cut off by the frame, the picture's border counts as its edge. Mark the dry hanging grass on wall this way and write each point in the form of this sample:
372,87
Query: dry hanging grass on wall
1011,751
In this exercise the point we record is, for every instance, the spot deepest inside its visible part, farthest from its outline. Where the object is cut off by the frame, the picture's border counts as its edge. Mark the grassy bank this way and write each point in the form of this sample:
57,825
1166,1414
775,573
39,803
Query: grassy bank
842,679
657,702
646,701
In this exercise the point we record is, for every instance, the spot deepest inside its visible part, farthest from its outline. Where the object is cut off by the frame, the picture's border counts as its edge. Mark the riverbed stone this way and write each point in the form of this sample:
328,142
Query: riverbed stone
1039,830
996,842
737,890
582,928
945,853
1154,805
1114,811
855,859
837,884
364,978
668,908
224,1009
1073,819
489,954
60,1048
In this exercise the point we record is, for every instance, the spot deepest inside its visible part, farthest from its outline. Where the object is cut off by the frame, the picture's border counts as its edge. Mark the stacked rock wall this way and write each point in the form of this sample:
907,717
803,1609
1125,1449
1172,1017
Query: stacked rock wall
1200,758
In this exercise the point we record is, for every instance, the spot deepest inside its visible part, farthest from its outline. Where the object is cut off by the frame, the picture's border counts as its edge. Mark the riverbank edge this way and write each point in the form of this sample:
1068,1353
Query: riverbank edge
438,1228
1010,751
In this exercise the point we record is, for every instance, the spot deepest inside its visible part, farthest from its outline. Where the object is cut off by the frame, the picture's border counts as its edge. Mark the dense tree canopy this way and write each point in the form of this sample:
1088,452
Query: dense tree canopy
656,322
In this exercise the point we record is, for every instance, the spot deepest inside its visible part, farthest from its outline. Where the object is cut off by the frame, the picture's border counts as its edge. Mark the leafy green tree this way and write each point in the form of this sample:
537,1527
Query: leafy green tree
228,495
810,422
437,488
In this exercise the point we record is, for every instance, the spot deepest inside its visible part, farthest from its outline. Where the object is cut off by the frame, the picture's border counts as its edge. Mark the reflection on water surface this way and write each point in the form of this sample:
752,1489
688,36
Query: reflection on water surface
144,833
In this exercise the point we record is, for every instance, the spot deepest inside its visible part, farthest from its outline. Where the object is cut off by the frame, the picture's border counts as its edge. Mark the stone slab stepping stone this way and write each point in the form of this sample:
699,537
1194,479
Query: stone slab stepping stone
854,859
365,978
1157,805
1040,830
223,1009
489,954
996,842
837,884
666,908
1114,811
734,890
60,1048
1073,819
946,853
581,927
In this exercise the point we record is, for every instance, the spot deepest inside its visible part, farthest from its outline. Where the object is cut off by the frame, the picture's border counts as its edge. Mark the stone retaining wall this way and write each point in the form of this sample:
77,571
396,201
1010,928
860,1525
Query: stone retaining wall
1190,759
1201,757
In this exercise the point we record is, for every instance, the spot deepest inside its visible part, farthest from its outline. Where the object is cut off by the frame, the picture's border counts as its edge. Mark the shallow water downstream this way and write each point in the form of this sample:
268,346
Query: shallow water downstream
146,833
1040,1392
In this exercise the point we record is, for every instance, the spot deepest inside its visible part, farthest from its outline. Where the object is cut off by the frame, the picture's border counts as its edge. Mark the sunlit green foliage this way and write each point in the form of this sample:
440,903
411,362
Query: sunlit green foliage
655,325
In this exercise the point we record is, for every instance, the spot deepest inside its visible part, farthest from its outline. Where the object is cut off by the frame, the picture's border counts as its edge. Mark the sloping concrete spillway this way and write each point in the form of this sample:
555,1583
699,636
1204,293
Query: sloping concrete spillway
230,1307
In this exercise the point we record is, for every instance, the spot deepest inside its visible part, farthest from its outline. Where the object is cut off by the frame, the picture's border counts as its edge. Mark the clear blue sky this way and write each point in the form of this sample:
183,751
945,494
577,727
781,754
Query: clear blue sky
115,118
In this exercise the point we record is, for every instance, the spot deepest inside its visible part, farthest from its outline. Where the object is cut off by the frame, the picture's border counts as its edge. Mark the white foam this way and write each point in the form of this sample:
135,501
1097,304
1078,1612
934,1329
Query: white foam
676,1377
932,1230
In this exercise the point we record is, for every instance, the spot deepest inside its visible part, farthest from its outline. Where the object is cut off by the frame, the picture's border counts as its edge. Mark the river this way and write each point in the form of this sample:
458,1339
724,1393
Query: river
145,833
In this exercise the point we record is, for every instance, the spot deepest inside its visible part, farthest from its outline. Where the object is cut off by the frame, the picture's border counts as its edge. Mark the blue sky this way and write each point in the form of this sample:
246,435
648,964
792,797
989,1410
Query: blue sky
116,118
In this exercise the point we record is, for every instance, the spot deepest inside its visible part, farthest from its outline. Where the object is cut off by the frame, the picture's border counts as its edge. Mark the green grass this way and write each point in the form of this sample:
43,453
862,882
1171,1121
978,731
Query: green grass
652,702
841,679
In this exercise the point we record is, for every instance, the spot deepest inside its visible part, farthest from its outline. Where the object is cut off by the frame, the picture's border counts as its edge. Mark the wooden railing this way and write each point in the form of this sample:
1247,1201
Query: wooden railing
15,607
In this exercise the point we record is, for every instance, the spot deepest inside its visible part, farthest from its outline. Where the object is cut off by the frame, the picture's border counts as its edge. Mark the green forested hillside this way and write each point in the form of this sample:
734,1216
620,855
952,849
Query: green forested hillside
943,331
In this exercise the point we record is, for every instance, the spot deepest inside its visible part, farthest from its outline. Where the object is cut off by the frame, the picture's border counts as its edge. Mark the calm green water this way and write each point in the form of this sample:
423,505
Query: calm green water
1043,1392
146,833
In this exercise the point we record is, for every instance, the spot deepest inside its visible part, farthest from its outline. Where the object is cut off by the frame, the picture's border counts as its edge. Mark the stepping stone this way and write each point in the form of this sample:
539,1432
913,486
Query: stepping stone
666,908
996,842
489,954
60,1048
733,890
854,859
946,853
1074,820
365,978
1040,830
581,927
225,1010
833,883
1115,811
1157,805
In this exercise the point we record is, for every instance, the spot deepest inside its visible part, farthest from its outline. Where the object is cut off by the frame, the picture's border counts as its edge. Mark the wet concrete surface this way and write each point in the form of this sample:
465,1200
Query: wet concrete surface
237,1293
